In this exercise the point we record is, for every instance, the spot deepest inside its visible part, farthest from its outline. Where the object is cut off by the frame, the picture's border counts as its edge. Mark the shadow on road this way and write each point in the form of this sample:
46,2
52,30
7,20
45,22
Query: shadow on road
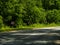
48,39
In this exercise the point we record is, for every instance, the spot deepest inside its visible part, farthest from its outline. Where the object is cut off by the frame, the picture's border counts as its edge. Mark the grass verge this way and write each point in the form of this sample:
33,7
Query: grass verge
30,27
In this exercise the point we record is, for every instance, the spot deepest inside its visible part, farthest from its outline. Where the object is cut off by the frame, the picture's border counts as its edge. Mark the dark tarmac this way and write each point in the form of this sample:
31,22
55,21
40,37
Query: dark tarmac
31,37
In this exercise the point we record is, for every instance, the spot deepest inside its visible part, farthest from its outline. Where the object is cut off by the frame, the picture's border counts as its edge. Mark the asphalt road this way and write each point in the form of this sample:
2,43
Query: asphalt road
31,37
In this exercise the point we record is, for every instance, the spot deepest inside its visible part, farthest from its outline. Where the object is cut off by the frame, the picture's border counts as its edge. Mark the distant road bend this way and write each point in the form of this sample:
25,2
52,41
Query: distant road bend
31,37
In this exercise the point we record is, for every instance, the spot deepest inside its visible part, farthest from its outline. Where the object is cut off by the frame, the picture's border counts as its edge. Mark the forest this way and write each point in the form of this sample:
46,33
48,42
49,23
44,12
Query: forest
14,13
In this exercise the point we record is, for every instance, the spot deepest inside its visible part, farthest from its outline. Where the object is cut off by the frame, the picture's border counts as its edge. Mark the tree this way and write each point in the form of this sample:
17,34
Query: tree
26,12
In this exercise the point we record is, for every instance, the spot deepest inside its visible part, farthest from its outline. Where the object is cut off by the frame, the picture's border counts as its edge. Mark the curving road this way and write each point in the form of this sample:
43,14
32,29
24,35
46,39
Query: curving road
31,37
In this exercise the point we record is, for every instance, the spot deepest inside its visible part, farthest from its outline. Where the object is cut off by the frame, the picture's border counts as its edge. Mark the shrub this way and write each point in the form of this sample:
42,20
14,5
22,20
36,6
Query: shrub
53,16
1,22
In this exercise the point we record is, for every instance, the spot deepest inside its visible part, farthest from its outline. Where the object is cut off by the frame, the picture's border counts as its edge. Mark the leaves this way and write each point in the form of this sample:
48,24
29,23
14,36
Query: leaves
26,12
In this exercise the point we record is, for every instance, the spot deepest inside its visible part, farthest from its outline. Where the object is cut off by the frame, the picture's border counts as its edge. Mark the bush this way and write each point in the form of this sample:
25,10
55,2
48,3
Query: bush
1,22
53,16
17,13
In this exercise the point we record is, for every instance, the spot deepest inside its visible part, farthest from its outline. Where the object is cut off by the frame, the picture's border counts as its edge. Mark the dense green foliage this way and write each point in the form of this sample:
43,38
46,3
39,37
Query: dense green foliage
1,22
15,13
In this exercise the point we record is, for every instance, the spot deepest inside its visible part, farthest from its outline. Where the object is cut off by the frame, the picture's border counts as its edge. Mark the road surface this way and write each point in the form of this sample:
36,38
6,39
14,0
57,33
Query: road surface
31,37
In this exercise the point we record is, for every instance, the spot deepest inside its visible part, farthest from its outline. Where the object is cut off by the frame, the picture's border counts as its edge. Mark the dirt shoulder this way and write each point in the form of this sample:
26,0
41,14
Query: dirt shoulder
54,28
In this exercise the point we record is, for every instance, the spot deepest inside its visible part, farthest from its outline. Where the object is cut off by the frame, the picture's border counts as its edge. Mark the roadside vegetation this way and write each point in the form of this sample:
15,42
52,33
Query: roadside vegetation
30,27
29,13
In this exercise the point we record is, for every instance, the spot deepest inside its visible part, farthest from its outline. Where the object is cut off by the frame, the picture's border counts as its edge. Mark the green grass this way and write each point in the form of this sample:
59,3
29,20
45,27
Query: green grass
28,27
40,25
